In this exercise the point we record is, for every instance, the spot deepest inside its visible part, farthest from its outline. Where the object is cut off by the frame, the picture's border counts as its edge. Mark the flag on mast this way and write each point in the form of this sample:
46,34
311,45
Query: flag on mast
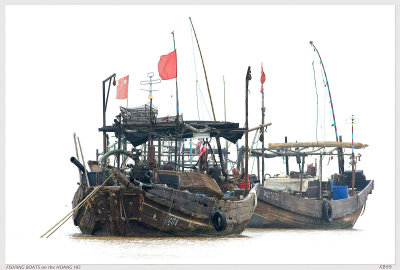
262,78
167,66
122,88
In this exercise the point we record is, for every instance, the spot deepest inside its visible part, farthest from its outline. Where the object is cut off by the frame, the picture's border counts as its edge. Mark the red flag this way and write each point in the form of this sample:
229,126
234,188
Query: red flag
262,78
203,149
122,88
167,66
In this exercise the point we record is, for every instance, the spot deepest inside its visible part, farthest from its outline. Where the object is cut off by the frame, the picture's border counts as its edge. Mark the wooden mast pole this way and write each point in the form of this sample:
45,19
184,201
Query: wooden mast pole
226,141
221,158
177,109
246,126
262,123
352,158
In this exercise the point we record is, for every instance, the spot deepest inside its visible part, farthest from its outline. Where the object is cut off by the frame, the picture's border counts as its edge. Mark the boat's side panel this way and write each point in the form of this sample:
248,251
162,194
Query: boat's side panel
282,210
133,212
269,216
291,203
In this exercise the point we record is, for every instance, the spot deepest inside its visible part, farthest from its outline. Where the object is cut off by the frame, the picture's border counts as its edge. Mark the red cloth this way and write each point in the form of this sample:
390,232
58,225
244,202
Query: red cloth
167,66
262,78
203,149
122,88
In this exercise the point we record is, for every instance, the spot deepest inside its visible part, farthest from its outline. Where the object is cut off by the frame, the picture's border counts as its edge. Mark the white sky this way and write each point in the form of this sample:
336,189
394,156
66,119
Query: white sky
57,57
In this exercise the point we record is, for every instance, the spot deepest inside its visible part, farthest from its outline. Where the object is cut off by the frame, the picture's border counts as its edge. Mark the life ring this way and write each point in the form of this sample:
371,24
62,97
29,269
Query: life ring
327,212
219,221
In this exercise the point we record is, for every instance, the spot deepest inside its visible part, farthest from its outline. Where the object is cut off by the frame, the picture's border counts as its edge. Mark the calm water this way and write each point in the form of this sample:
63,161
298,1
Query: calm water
370,242
263,246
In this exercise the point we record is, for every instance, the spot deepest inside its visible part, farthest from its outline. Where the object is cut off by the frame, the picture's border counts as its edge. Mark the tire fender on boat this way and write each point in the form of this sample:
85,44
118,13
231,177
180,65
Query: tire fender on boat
327,212
219,221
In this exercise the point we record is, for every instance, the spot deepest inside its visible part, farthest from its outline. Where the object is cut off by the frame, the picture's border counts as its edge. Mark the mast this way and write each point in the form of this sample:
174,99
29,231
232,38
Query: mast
151,149
262,123
352,157
226,141
177,109
221,158
246,126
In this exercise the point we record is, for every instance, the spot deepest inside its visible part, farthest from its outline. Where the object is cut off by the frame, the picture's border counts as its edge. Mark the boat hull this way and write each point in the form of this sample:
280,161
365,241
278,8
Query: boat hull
160,211
282,210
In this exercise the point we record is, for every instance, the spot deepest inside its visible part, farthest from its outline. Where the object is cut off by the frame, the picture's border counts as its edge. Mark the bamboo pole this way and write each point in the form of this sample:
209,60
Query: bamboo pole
84,165
222,163
76,207
260,127
77,156
317,144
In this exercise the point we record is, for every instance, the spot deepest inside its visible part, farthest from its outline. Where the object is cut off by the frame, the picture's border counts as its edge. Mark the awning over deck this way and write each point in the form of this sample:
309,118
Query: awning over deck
138,134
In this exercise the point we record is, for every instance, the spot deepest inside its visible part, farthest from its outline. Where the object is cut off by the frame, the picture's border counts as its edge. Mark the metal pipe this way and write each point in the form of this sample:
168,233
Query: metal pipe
105,108
302,172
84,166
77,164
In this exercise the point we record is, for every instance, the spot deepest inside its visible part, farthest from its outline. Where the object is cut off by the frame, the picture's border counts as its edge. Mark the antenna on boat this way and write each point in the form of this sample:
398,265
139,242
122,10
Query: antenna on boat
151,159
353,121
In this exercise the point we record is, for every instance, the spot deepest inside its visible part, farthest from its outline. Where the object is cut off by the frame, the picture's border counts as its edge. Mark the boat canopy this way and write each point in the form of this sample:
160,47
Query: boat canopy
165,128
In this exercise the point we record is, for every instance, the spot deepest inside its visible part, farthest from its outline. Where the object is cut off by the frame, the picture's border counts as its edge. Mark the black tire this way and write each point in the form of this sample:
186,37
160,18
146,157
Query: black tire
327,212
219,221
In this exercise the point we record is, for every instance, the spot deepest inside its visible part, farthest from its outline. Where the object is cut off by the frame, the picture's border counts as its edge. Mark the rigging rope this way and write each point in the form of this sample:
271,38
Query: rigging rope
198,90
197,81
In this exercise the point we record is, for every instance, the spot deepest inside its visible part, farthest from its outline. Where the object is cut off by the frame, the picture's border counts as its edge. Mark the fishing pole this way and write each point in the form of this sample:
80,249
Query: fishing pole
329,91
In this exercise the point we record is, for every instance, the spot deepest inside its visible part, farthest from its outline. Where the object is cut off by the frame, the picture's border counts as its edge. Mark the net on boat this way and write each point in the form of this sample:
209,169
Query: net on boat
196,182
139,115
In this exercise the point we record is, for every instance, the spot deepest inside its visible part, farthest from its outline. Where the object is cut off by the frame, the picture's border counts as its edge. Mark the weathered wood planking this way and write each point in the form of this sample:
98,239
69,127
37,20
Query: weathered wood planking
282,210
117,210
270,216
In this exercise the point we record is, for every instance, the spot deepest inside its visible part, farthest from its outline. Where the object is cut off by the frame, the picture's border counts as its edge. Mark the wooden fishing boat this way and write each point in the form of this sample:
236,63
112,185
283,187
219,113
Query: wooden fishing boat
149,194
311,203
137,201
157,210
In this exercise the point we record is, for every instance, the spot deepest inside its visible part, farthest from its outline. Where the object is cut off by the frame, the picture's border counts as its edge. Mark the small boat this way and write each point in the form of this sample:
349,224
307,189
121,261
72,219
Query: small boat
141,196
302,200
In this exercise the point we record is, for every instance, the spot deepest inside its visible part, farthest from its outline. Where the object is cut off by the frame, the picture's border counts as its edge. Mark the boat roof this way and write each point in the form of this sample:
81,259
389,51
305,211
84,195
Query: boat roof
165,128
